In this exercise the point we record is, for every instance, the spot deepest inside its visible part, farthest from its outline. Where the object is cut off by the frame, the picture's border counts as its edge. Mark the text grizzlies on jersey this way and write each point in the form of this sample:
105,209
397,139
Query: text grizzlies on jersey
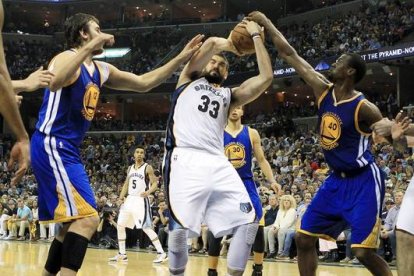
212,90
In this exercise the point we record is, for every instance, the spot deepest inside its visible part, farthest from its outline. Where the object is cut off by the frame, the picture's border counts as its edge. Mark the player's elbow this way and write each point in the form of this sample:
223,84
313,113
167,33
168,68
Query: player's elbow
286,52
266,79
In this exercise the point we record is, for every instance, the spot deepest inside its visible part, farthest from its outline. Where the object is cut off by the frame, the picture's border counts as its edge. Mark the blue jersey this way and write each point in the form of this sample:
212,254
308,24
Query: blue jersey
345,145
239,152
67,113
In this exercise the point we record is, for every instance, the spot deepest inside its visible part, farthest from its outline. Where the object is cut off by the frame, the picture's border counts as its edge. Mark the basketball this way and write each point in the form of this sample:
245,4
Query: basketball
242,40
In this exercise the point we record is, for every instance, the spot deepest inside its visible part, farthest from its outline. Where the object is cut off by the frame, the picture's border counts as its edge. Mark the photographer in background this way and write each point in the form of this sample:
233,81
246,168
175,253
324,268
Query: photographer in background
106,232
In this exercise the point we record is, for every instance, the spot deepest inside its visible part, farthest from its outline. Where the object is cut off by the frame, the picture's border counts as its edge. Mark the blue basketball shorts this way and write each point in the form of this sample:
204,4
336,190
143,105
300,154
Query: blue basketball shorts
354,202
65,193
254,197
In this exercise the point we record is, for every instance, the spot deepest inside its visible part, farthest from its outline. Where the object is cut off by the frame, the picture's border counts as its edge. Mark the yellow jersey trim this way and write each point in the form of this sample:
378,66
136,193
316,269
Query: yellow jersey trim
344,101
356,119
322,236
323,95
67,219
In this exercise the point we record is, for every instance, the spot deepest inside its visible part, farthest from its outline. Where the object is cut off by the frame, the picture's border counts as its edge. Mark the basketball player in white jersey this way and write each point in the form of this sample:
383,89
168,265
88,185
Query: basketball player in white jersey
136,210
402,133
201,185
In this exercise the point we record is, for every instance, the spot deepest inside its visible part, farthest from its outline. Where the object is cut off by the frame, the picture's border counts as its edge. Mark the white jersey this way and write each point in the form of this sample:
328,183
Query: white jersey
198,117
138,181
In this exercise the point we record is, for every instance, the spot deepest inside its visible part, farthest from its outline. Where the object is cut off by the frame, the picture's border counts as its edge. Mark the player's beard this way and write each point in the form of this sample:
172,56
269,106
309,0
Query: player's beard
214,78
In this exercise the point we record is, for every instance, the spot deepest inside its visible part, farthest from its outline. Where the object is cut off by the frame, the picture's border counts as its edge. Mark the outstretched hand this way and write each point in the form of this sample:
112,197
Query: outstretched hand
20,154
401,124
192,46
38,79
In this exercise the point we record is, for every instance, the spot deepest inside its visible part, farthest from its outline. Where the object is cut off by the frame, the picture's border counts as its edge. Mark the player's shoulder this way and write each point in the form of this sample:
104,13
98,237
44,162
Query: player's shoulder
61,57
254,134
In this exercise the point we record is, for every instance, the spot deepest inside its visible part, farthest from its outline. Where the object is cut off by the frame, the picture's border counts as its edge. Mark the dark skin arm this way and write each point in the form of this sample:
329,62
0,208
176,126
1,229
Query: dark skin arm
368,116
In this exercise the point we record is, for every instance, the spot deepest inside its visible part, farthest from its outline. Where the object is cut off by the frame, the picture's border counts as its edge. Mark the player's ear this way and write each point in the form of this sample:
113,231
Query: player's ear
351,71
83,34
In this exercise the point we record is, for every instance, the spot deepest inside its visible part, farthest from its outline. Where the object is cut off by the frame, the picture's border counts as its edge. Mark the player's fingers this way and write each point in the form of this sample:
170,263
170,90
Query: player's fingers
405,120
398,117
10,163
47,73
19,174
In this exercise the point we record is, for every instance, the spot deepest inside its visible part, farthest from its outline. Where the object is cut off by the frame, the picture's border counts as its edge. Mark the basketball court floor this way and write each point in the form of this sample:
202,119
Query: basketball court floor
24,258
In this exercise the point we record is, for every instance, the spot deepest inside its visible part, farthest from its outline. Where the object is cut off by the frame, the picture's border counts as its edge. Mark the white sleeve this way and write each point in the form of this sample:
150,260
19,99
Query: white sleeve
104,70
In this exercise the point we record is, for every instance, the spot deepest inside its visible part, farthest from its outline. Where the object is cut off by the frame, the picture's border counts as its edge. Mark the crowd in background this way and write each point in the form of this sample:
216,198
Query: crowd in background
130,19
354,32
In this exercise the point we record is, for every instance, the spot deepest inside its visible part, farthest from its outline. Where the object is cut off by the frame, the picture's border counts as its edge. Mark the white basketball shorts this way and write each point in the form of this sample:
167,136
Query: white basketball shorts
205,188
135,211
405,220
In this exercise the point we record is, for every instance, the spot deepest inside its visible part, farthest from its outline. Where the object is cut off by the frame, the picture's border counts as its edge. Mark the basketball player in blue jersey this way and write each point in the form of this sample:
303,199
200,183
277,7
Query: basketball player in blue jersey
241,143
353,192
201,185
65,195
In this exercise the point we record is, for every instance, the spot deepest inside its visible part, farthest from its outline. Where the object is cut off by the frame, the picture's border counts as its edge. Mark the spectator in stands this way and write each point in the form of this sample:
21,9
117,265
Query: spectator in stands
285,221
161,221
270,215
388,229
20,221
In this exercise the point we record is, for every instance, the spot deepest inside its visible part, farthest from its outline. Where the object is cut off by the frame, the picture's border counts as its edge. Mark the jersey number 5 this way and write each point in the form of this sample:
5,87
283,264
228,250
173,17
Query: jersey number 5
204,106
134,185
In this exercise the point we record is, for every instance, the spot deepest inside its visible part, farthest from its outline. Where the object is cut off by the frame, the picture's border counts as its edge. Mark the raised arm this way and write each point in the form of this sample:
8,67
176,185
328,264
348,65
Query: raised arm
261,160
122,80
252,88
313,78
212,46
66,66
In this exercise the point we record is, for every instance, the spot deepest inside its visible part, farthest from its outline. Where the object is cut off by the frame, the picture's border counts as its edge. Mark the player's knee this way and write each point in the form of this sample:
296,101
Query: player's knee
73,251
177,240
251,231
304,241
90,222
259,245
234,272
362,254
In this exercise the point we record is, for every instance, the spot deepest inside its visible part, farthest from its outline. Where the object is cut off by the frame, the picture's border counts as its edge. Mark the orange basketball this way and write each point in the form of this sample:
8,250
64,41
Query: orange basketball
242,40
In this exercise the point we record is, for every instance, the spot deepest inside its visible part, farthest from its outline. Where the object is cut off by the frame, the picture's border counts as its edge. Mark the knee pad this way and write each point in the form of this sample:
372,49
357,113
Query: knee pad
251,230
54,258
259,245
213,245
73,251
121,233
177,240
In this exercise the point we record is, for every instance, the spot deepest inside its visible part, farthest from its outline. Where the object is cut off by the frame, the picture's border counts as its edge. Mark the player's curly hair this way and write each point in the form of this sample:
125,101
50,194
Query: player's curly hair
75,24
357,62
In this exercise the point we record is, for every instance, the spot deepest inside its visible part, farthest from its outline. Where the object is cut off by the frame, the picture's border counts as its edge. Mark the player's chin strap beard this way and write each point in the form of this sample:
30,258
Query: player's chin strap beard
214,79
